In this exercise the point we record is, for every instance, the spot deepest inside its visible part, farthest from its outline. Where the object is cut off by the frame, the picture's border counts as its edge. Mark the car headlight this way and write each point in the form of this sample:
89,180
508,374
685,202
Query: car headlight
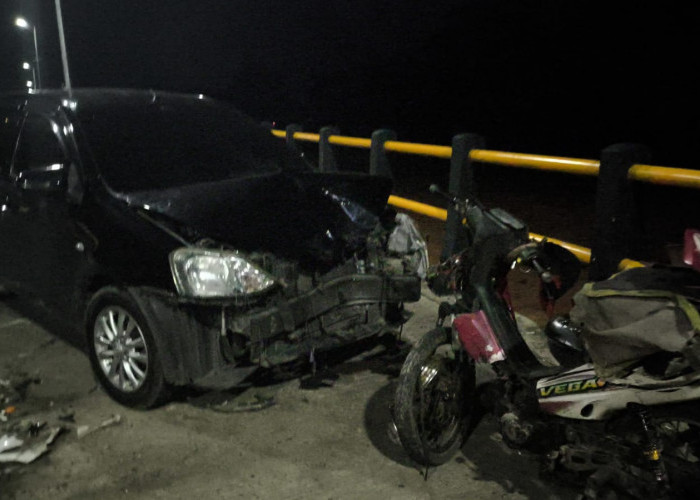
199,272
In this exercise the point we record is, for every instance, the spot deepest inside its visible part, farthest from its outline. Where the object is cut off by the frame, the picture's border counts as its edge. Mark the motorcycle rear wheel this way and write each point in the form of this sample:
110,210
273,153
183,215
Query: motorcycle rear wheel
434,399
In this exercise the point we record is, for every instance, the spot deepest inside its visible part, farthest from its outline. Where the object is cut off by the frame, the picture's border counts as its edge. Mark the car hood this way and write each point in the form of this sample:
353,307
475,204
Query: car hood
310,217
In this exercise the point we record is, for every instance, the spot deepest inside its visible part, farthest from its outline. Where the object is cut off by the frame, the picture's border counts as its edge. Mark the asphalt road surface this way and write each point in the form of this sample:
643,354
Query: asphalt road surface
327,443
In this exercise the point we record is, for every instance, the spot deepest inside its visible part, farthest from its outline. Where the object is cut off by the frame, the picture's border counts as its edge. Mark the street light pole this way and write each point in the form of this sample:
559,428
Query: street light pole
36,59
64,52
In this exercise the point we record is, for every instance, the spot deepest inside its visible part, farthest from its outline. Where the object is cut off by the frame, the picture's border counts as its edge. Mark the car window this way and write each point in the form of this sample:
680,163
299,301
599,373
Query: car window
39,145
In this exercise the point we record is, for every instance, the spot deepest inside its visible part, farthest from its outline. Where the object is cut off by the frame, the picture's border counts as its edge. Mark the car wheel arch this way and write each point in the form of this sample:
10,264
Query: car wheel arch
119,297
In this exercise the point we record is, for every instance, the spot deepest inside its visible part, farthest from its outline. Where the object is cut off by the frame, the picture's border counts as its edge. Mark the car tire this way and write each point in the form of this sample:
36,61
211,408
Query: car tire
122,350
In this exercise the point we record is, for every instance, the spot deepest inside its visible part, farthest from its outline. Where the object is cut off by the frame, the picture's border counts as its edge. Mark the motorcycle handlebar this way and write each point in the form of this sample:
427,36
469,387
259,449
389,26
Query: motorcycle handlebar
528,253
458,203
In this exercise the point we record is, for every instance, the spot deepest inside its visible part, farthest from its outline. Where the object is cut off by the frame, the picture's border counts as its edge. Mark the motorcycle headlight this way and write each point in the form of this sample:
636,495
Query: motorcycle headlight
203,273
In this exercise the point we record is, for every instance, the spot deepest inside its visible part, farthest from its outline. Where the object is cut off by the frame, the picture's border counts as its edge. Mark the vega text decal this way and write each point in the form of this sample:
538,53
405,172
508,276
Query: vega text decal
590,384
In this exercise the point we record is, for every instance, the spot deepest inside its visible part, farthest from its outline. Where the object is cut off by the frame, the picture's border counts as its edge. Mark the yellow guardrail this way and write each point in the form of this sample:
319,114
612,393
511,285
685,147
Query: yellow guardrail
418,207
667,176
575,166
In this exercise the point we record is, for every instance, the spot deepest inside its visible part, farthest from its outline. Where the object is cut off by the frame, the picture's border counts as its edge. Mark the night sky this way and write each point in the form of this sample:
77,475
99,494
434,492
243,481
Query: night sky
552,77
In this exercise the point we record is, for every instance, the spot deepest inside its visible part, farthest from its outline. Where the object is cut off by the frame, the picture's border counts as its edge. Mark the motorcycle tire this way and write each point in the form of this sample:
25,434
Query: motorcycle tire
434,399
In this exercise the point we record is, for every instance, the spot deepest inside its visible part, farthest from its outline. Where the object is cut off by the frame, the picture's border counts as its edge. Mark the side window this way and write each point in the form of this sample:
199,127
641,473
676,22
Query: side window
39,145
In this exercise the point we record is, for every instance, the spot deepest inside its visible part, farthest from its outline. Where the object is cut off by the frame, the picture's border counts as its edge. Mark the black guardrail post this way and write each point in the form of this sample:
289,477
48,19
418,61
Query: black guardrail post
326,156
616,224
292,144
378,161
461,184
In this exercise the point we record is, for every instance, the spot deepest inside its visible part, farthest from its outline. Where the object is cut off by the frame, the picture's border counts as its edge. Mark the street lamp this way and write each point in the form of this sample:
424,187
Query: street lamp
22,23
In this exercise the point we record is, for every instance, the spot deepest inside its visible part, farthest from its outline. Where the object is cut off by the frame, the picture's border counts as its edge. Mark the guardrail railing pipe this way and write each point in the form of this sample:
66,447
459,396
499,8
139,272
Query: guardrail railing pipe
378,161
461,184
326,156
616,228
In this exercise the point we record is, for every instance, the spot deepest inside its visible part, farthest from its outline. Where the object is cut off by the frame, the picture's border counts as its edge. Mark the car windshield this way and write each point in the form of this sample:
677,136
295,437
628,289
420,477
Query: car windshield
177,141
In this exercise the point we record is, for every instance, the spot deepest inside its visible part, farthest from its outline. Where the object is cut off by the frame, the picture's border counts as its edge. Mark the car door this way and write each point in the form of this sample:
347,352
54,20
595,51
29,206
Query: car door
38,250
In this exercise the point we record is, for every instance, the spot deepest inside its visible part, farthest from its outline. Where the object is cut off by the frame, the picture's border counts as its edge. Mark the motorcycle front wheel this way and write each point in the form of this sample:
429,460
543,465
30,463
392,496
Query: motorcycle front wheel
434,399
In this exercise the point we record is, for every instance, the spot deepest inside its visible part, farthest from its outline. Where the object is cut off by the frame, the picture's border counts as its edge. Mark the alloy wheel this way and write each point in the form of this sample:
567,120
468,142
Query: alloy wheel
121,348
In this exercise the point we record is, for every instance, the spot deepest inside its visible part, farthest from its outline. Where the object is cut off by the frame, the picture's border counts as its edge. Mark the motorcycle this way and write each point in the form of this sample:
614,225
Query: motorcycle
636,431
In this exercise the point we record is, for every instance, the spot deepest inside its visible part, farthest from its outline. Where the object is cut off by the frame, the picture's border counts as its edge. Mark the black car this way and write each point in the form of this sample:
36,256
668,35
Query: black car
190,245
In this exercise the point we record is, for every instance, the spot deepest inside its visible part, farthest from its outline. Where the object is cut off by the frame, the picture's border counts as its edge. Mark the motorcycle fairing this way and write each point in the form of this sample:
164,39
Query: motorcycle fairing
478,338
580,394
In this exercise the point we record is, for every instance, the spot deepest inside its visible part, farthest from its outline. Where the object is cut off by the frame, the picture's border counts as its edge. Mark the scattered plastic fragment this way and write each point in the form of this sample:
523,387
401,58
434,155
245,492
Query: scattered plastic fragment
85,430
9,442
30,451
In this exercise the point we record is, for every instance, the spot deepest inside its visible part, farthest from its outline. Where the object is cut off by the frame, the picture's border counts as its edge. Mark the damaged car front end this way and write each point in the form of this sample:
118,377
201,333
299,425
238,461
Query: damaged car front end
190,245
234,312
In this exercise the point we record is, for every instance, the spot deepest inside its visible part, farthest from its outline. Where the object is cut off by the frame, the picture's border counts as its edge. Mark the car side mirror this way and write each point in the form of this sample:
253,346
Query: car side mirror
48,178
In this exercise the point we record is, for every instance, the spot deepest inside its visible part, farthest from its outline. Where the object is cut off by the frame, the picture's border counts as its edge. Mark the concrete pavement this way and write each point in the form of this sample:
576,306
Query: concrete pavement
330,443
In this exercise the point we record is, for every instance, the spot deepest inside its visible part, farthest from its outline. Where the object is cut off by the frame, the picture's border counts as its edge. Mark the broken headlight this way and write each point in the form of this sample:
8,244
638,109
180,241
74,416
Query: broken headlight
206,273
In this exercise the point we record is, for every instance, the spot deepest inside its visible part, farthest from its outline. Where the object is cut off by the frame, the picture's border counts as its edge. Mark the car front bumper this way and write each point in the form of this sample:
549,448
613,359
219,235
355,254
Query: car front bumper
218,345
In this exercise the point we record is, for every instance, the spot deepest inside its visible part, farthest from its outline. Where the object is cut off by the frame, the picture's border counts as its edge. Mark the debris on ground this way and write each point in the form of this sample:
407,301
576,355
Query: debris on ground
9,442
24,436
234,402
14,388
85,430
15,449
319,379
